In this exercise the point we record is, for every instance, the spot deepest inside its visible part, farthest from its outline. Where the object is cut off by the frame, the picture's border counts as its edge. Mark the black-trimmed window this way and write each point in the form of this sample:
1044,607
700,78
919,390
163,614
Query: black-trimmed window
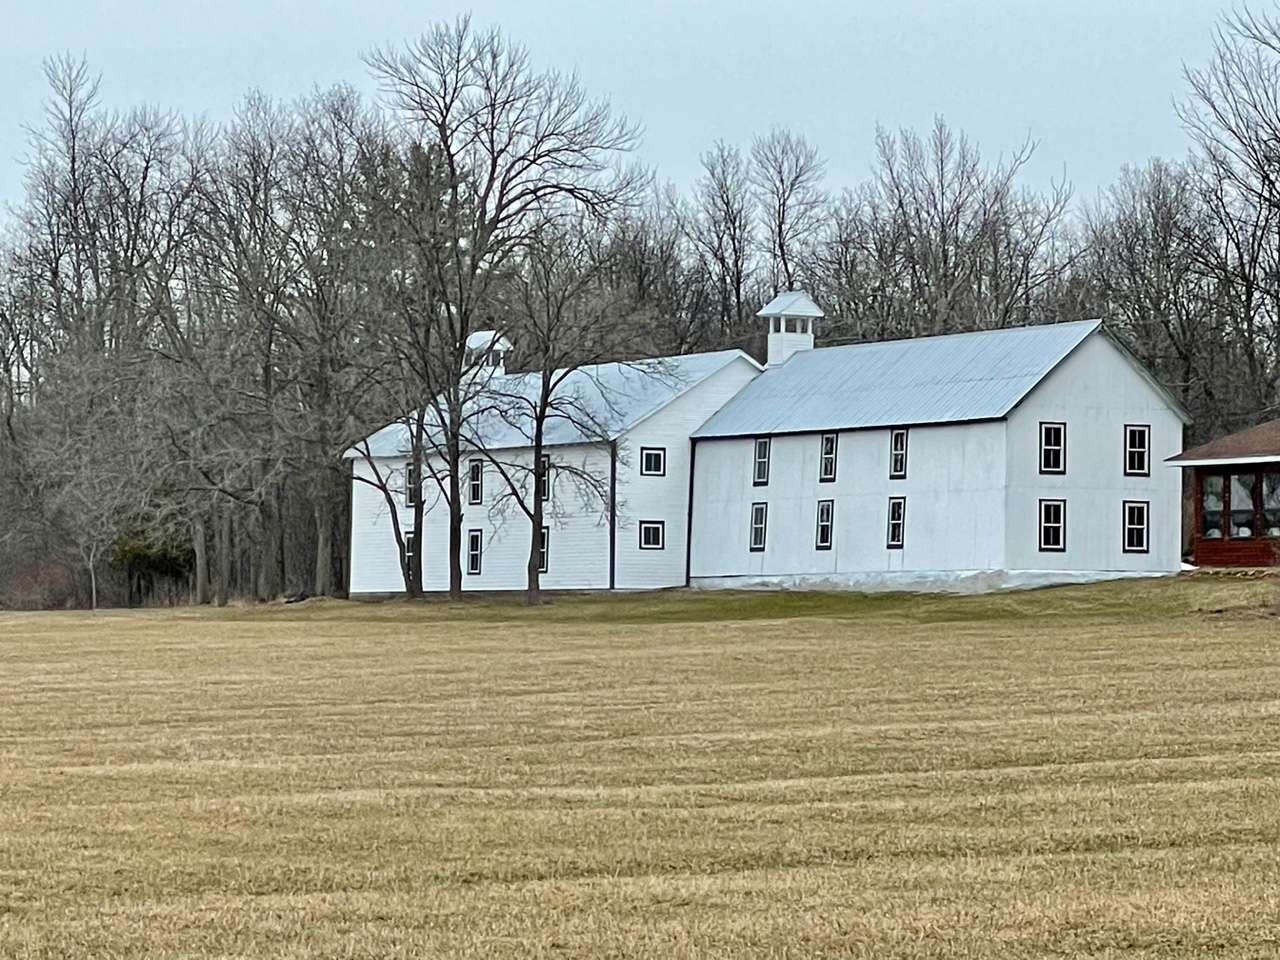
1137,450
896,532
1137,532
475,551
653,534
1053,526
410,548
759,526
412,484
653,461
827,463
898,454
475,482
544,550
760,462
1053,447
825,532
543,479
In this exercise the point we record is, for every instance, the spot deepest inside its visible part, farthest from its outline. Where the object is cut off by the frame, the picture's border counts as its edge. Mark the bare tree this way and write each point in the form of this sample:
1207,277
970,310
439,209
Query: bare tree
787,174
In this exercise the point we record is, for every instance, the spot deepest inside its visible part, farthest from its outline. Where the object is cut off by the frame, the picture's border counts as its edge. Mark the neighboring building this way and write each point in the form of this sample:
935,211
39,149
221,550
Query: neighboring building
637,447
1236,497
1006,457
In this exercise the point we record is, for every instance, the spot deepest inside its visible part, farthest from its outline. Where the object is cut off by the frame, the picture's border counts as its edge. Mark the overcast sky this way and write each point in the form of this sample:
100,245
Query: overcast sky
1091,80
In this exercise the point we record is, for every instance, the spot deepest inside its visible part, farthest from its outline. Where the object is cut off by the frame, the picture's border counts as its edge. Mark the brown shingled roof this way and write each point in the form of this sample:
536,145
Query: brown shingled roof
1260,441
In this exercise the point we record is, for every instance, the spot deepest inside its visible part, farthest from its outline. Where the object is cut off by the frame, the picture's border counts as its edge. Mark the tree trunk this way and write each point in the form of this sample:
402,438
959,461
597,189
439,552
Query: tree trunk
533,588
199,542
93,584
324,547
455,522
268,545
224,557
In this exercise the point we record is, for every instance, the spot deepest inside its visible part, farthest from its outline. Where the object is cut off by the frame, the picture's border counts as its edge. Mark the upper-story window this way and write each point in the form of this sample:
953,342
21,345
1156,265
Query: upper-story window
898,454
543,479
1137,450
475,482
412,485
653,461
1053,448
827,466
760,462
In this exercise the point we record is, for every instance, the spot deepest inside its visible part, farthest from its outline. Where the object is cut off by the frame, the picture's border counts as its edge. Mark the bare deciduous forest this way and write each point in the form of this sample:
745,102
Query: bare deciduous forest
196,322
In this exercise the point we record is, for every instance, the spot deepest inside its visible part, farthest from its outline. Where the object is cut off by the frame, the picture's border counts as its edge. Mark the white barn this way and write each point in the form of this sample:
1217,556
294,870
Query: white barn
999,458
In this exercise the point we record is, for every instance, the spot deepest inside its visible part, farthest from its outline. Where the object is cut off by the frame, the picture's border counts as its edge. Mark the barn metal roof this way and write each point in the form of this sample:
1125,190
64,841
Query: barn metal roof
947,379
596,402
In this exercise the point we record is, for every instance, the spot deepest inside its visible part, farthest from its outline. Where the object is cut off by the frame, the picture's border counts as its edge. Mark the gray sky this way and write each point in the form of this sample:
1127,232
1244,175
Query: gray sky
1091,80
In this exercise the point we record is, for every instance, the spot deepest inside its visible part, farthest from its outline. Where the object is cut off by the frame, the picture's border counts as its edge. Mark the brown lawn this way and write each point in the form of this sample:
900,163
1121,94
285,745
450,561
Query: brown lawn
1090,771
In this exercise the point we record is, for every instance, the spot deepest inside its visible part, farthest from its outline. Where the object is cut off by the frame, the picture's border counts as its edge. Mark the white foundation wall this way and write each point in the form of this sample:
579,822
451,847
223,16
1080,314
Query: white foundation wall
1095,392
666,498
954,515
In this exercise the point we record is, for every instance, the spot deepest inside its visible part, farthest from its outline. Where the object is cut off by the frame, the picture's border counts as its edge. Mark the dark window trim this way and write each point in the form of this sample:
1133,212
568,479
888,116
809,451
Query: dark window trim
410,538
475,552
906,445
1062,548
755,459
889,542
544,490
662,451
544,550
1146,431
662,534
831,526
412,484
764,527
1062,454
475,480
1146,526
822,457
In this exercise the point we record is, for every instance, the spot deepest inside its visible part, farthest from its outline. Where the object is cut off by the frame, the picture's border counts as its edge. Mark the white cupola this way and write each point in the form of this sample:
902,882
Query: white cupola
790,317
487,353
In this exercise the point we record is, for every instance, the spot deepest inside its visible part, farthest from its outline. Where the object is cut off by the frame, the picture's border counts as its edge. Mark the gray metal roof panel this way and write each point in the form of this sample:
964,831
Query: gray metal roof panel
946,379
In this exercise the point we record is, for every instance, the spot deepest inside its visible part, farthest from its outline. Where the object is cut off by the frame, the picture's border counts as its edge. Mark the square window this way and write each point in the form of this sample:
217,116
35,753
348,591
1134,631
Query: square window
653,534
898,454
544,550
653,461
1135,526
760,466
759,526
1137,450
826,523
475,546
475,482
827,466
1053,526
897,533
1053,448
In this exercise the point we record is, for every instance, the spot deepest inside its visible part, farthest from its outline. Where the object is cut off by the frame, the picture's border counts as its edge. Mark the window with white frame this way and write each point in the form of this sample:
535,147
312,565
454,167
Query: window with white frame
1136,531
410,548
1053,448
544,551
1053,526
760,463
826,524
475,547
475,482
653,534
543,479
827,464
898,454
412,485
759,526
653,461
1137,450
896,535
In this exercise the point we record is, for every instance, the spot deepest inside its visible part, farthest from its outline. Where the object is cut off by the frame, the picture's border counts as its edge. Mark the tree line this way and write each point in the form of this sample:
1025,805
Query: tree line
196,322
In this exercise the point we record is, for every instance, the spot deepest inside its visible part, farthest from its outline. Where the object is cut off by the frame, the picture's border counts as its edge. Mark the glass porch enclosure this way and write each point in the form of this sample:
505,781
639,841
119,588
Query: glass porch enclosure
1238,515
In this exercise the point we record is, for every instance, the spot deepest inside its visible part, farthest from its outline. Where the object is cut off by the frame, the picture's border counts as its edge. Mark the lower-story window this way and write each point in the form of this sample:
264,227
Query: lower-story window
826,521
410,548
544,551
897,533
1053,526
475,546
1136,526
759,526
653,534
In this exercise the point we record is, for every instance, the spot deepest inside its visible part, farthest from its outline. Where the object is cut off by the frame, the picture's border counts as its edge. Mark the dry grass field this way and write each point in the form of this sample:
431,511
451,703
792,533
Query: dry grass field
1086,771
